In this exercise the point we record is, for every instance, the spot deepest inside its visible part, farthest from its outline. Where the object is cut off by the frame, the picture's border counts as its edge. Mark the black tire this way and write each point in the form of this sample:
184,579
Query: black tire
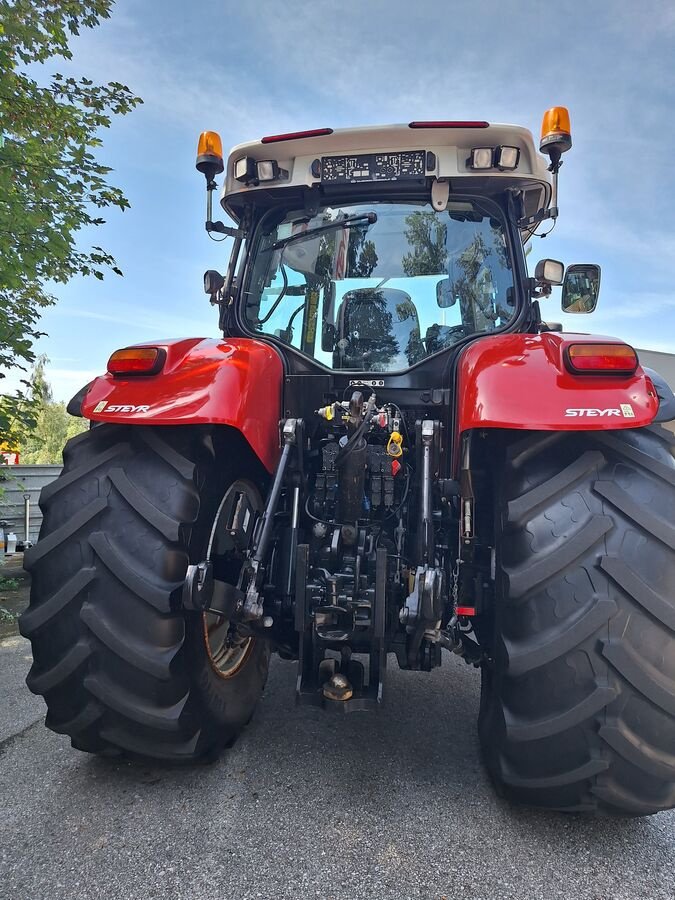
578,707
120,666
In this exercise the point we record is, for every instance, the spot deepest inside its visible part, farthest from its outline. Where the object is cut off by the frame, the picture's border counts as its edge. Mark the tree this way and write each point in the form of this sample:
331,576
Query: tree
427,237
53,426
51,183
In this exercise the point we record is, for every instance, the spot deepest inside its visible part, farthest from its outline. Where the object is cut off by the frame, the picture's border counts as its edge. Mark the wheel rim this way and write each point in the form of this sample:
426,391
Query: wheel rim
227,652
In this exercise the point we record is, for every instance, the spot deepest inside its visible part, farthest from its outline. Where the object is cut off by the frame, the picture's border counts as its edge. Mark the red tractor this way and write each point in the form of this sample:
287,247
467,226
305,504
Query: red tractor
387,454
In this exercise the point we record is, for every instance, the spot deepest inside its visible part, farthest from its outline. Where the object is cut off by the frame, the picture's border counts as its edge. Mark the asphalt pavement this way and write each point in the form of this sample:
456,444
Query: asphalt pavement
306,804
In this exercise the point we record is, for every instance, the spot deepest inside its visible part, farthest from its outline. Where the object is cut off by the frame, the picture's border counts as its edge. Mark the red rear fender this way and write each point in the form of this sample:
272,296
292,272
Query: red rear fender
521,381
235,382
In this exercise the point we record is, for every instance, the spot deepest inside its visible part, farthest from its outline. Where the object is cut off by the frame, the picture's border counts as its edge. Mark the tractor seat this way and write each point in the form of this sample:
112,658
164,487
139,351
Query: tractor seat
378,330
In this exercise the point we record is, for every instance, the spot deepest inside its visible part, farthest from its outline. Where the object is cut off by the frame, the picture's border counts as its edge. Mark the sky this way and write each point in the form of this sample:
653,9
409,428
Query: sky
269,66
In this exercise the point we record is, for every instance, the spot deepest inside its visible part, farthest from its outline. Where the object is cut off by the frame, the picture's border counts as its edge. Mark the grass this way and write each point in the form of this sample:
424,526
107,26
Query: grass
8,584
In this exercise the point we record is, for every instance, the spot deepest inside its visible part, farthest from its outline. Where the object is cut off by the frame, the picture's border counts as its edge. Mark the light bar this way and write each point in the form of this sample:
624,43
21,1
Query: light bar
136,361
507,157
601,359
448,125
295,135
481,158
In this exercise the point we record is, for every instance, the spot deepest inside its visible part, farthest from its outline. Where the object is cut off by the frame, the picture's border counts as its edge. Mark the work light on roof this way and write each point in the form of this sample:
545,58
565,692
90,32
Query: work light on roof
507,157
482,158
268,170
244,169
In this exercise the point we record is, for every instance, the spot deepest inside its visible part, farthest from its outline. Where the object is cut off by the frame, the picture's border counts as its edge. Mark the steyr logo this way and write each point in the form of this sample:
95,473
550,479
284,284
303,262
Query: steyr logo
116,408
625,410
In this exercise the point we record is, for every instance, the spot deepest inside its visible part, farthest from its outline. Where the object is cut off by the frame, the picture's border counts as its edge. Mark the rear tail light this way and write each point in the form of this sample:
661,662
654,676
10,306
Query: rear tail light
295,135
136,361
603,359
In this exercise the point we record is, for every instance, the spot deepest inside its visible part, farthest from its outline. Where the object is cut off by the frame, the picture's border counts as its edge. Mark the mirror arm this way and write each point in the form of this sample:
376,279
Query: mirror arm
218,227
552,212
538,289
221,228
541,216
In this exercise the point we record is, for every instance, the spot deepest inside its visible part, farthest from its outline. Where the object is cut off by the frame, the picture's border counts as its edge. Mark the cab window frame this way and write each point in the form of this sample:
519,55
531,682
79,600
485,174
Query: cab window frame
275,214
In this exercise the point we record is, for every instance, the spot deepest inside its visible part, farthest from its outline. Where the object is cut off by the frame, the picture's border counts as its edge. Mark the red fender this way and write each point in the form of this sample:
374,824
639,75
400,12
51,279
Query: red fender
520,381
235,381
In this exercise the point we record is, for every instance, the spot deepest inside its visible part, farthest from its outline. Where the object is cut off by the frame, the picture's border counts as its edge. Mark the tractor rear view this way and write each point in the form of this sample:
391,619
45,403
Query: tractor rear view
388,454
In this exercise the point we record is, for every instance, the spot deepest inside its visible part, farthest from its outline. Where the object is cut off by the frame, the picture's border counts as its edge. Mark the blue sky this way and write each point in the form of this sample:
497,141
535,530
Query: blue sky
247,69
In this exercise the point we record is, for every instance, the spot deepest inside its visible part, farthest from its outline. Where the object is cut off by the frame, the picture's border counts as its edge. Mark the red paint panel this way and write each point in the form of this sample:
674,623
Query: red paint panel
520,381
233,382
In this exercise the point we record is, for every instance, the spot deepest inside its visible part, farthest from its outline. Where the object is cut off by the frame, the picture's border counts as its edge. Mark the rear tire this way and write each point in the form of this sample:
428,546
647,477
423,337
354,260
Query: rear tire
121,667
578,706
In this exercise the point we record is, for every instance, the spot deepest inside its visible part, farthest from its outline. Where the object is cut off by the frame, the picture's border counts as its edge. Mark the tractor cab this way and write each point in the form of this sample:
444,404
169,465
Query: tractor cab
373,249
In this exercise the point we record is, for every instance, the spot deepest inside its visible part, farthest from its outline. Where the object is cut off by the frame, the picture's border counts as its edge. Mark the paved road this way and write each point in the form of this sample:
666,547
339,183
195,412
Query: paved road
306,805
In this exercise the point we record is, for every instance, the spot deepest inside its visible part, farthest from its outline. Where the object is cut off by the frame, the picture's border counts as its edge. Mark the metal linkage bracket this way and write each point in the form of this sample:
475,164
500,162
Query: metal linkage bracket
339,685
203,593
244,602
253,574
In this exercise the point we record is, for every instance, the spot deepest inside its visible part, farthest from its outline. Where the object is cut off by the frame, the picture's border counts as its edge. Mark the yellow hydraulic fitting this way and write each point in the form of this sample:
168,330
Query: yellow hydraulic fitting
395,445
327,412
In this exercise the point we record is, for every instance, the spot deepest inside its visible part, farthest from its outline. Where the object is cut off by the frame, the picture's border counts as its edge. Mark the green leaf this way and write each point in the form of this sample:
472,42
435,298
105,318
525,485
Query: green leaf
51,179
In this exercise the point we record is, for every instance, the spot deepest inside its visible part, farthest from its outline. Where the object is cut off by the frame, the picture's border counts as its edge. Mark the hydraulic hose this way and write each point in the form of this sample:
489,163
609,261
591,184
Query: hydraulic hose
354,441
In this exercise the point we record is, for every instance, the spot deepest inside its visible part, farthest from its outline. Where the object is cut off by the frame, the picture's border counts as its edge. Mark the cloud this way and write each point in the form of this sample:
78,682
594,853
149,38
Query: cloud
250,69
64,382
132,318
67,381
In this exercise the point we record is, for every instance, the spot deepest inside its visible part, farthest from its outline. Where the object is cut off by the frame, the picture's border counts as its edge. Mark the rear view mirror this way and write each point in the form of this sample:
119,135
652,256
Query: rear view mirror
581,289
444,294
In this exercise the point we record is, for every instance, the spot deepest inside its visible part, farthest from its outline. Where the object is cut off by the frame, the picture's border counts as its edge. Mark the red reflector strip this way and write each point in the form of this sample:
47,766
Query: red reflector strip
136,361
295,135
611,358
465,610
449,125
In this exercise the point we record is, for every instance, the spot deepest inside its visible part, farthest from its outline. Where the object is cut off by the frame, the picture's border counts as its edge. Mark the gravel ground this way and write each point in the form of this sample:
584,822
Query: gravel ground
388,805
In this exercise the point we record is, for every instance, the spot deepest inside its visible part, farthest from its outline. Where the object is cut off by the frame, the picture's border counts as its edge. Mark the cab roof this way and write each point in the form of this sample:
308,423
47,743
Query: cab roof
300,156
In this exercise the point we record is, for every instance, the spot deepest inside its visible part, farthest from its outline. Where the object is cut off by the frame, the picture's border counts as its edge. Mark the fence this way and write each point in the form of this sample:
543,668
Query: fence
15,483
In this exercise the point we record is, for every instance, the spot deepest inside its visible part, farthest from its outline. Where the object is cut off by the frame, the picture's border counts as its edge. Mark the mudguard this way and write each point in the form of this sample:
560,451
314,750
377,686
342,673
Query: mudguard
233,381
666,397
520,381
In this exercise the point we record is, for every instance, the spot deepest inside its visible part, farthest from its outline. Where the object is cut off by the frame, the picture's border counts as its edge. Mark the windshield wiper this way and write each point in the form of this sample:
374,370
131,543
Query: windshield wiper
370,218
